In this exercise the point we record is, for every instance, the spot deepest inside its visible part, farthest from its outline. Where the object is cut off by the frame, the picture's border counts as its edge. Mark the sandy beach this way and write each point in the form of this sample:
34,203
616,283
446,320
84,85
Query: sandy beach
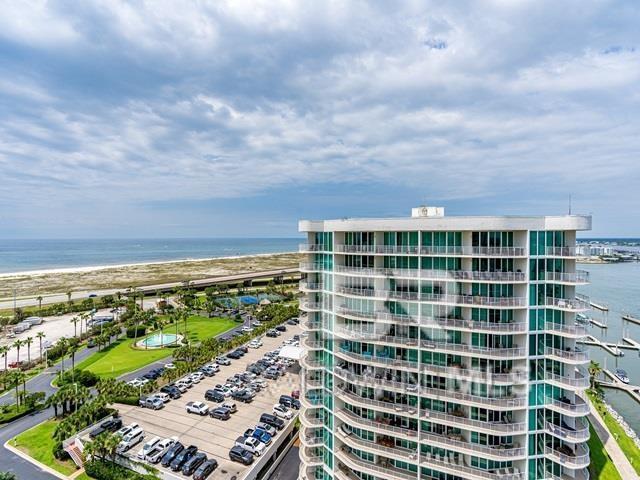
57,281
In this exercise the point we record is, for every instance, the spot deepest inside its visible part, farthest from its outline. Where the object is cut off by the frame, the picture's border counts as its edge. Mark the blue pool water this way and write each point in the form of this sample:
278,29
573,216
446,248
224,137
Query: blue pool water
158,339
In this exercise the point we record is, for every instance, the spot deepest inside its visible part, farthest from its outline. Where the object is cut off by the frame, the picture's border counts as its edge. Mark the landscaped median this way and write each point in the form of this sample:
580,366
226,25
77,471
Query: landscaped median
627,445
123,357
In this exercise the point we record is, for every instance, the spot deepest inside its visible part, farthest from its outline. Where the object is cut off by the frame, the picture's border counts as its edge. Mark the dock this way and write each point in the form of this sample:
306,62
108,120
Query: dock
598,306
629,318
632,390
597,323
611,348
631,342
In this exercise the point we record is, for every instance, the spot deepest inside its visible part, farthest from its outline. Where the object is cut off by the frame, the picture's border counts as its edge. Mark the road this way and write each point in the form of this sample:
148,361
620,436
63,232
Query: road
149,289
289,467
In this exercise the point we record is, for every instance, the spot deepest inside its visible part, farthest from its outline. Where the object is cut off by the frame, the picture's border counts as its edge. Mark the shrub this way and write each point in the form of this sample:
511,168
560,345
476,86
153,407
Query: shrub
85,378
141,330
127,400
103,470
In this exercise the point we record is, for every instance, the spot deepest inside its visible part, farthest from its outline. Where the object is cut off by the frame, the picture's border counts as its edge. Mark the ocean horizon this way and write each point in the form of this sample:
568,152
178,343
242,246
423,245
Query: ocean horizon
35,255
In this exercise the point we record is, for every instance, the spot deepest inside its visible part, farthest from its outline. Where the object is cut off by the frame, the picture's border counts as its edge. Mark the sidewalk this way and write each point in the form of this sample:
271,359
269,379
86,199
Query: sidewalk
611,446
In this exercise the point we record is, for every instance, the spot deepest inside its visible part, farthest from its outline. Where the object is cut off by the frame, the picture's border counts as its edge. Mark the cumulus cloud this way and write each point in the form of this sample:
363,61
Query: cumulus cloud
115,107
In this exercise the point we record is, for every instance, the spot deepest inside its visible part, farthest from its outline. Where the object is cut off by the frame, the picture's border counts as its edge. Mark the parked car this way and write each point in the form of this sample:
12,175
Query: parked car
282,411
223,389
214,396
271,373
110,425
241,455
272,420
172,453
289,402
130,440
267,428
148,447
193,463
205,469
183,457
152,402
235,355
272,334
209,370
126,429
233,408
243,396
196,377
165,397
223,361
199,408
221,413
281,328
251,444
295,394
254,344
182,387
156,454
260,434
169,366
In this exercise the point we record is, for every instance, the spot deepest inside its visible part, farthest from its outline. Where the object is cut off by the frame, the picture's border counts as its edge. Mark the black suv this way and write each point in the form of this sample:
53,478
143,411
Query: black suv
272,420
242,396
193,463
289,401
239,454
175,449
110,425
213,396
281,328
172,391
183,457
235,355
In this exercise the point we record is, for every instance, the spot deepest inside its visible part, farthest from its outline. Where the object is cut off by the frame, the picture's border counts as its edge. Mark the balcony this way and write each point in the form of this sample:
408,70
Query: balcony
310,421
582,474
310,457
311,344
577,408
382,249
579,277
576,356
468,251
311,440
498,428
489,352
578,304
313,247
568,458
442,275
569,331
449,464
579,382
307,267
457,443
308,364
350,418
562,252
578,434
309,325
310,287
509,402
382,470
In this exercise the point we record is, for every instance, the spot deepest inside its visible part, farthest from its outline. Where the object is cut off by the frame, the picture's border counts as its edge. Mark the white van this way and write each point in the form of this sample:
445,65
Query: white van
131,439
147,447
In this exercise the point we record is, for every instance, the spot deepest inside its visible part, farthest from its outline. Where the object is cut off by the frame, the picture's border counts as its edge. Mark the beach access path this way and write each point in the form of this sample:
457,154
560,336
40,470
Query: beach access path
148,289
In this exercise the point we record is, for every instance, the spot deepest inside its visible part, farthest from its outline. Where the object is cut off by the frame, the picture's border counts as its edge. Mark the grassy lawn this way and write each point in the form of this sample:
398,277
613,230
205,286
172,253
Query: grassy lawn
9,412
121,357
38,443
601,468
631,451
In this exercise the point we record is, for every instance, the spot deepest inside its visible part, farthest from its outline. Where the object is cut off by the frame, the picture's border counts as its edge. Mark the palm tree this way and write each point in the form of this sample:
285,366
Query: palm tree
4,350
18,344
39,299
69,297
8,476
73,348
63,345
28,342
75,321
40,336
594,370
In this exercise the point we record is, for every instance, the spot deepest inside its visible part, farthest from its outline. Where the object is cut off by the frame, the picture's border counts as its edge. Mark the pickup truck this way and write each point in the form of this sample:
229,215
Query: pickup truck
260,434
154,403
251,444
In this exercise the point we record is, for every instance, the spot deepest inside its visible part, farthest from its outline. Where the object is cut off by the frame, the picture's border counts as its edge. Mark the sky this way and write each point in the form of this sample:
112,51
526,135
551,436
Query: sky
233,118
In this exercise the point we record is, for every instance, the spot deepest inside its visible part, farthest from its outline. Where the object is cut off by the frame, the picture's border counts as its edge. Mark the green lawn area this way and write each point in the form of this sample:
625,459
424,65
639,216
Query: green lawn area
601,468
121,357
9,412
627,445
38,443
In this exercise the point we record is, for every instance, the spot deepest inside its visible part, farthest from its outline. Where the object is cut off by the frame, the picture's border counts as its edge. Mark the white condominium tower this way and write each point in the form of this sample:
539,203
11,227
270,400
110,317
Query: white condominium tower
443,348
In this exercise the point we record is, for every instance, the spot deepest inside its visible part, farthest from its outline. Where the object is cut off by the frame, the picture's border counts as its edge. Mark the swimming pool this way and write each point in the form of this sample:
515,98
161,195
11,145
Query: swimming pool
159,340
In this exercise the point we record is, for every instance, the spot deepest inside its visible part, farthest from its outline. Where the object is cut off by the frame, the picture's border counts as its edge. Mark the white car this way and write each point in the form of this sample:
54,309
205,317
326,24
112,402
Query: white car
223,361
181,386
282,412
169,366
247,329
230,405
187,381
196,377
131,439
252,444
126,429
162,396
254,345
267,428
147,447
200,408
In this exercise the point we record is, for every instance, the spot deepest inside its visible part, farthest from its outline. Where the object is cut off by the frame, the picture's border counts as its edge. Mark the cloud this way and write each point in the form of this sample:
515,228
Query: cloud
121,107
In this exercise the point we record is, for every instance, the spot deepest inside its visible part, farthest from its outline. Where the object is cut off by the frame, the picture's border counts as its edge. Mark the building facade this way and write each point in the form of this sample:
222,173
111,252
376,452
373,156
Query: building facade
443,347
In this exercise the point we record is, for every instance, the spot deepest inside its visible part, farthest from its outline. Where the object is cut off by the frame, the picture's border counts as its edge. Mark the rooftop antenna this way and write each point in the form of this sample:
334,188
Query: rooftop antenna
569,204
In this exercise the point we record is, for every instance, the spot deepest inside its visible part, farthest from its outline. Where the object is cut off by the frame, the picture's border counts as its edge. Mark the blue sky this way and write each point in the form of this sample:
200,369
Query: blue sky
179,119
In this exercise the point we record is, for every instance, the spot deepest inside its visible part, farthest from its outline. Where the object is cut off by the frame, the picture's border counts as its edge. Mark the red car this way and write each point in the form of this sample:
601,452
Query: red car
296,394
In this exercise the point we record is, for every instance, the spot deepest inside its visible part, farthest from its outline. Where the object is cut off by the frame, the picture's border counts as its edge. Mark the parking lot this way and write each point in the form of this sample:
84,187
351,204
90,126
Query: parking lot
211,436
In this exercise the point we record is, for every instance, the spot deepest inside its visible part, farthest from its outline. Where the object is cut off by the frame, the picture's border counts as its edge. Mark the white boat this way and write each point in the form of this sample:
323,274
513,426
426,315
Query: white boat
621,375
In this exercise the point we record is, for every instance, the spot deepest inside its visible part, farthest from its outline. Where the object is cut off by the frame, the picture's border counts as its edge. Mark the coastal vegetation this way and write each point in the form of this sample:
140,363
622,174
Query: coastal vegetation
38,443
601,467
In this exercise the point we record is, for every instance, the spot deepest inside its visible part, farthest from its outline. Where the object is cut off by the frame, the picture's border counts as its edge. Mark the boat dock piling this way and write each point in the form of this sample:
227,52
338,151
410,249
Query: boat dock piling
598,306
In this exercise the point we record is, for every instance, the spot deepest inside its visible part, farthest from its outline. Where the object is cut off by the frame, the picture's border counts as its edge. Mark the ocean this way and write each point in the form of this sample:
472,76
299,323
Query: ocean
37,255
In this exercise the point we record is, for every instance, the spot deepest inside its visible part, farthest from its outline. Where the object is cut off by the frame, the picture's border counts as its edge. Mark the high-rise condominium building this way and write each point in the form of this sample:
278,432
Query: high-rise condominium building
443,347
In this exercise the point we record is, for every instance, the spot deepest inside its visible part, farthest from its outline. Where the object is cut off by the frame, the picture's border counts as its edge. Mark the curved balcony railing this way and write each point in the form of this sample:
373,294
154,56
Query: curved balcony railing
308,364
577,408
446,418
579,277
573,356
313,383
311,344
474,251
499,453
451,371
511,352
347,416
578,434
313,247
560,252
311,287
578,459
314,267
312,440
568,304
311,306
580,381
309,324
379,471
511,402
310,421
431,274
390,249
459,468
461,300
309,457
582,474
572,331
